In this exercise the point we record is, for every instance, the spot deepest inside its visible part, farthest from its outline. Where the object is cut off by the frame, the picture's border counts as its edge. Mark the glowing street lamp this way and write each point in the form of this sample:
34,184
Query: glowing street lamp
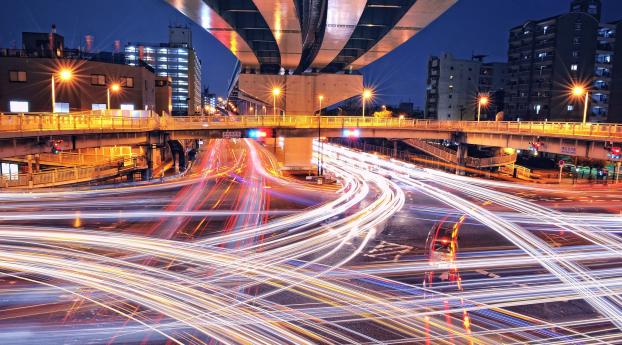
579,91
319,135
481,102
275,93
64,75
114,87
367,94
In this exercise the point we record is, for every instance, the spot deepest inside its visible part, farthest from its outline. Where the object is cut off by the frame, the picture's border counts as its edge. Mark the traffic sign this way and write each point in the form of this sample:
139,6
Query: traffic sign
561,163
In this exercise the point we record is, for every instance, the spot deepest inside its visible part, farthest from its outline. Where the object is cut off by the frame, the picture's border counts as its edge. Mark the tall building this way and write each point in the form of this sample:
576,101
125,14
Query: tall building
453,86
177,60
548,57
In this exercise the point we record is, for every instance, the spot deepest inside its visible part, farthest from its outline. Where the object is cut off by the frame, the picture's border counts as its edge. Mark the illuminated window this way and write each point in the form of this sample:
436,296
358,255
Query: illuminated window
570,107
127,81
127,106
98,106
17,76
18,106
60,107
98,79
10,171
163,51
574,67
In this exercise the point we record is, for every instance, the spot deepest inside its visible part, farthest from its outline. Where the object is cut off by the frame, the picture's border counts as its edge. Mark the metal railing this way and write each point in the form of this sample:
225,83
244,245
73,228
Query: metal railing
434,150
122,120
91,121
74,159
56,177
449,155
521,171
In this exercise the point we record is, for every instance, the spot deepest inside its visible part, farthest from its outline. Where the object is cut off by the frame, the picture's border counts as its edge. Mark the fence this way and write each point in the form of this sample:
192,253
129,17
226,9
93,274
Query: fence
116,120
55,177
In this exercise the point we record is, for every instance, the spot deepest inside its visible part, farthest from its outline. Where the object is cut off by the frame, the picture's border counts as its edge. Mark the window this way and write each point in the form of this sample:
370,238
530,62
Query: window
98,79
537,108
542,55
60,107
576,40
591,9
570,107
127,106
575,53
574,67
9,171
127,81
578,26
98,106
18,106
17,76
545,29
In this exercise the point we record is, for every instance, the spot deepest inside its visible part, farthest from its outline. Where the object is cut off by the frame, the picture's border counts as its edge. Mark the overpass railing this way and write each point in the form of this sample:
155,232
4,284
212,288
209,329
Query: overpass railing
573,129
57,177
97,120
124,120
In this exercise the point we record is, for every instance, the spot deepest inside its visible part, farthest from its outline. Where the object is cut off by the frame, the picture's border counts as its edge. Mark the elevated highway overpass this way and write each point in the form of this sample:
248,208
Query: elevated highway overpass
28,133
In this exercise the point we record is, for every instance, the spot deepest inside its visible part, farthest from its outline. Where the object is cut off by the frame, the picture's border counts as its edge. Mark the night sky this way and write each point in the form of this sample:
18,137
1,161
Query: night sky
471,26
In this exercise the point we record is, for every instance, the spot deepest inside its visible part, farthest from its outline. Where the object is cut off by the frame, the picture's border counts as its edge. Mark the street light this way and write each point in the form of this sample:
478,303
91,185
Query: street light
579,91
367,94
114,87
482,101
65,74
275,93
319,134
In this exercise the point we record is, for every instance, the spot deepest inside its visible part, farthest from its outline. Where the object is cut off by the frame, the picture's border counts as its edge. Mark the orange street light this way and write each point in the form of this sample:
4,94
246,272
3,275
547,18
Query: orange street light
367,94
579,91
275,93
64,74
482,102
320,98
114,87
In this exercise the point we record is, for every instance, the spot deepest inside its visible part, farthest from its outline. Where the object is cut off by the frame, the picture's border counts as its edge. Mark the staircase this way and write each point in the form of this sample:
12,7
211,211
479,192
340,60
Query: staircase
451,156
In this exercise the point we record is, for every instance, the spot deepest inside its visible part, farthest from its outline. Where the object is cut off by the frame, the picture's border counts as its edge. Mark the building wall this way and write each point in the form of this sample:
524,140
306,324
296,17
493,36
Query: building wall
454,86
163,95
178,60
548,57
300,92
614,114
80,92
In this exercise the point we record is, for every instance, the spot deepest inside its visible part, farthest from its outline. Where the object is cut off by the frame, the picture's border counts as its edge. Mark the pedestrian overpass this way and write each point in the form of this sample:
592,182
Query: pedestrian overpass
22,134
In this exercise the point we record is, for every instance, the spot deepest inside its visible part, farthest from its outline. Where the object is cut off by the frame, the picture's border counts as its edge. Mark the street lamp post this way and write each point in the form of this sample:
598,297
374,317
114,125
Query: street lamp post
275,93
115,87
319,133
366,95
64,74
482,101
579,91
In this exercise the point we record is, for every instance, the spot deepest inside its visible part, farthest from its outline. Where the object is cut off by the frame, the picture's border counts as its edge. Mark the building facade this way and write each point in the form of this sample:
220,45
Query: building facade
548,57
453,86
177,60
25,85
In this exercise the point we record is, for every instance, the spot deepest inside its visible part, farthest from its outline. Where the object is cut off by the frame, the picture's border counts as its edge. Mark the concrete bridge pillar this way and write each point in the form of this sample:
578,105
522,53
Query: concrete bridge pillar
462,153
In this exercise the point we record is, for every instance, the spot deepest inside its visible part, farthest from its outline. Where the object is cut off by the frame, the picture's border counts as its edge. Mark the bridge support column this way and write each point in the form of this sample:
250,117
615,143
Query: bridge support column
462,153
394,148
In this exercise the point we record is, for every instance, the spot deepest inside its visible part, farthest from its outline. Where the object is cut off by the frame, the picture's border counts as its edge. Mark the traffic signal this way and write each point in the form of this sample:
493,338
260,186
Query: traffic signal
56,146
351,133
614,152
536,146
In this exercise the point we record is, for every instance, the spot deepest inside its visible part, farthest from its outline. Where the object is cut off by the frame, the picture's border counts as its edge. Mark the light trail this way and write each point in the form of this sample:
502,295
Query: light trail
295,276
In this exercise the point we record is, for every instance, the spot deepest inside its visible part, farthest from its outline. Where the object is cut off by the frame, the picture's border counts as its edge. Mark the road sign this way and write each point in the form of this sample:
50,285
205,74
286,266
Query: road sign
561,163
231,134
